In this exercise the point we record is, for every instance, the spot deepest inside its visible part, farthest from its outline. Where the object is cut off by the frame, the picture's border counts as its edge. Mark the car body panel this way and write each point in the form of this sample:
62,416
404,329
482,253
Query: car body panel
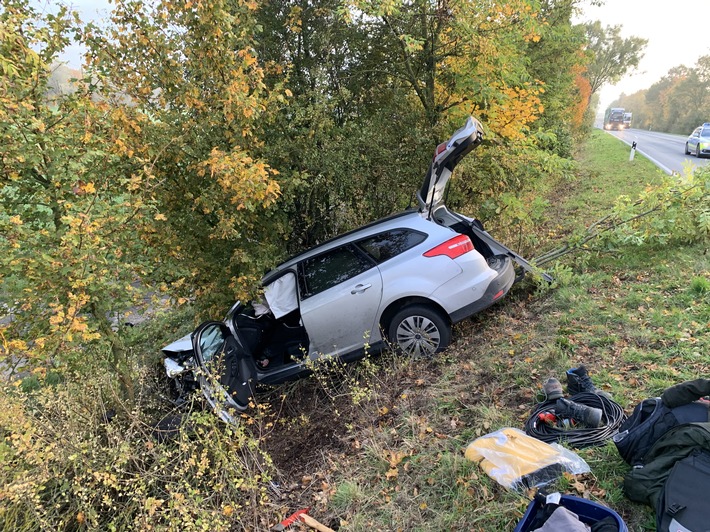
332,316
181,345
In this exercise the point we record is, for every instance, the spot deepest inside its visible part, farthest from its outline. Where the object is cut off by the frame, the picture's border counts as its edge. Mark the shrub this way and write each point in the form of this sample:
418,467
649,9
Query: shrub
74,456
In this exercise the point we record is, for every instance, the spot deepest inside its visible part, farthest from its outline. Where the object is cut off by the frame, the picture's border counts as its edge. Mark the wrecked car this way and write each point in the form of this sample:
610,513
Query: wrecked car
401,281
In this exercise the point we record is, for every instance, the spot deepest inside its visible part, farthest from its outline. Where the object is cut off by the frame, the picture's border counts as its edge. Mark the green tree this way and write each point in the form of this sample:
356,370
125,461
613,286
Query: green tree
679,101
376,86
612,55
558,60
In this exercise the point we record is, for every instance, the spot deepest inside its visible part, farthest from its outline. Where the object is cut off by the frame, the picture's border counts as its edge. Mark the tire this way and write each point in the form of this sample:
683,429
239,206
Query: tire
419,331
687,151
697,151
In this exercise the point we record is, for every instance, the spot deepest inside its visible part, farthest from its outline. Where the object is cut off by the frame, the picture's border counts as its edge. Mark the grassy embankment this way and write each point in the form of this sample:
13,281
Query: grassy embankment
637,316
378,445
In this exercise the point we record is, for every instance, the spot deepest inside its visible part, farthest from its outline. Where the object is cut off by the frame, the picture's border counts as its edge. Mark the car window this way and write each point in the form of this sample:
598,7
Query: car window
389,244
705,132
329,269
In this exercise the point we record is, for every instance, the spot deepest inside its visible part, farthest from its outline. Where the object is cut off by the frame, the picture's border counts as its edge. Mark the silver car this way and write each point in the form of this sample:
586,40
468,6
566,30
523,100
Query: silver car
698,142
401,281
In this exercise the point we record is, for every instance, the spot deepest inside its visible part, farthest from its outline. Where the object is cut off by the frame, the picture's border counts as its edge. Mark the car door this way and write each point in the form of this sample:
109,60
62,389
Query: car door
340,292
694,138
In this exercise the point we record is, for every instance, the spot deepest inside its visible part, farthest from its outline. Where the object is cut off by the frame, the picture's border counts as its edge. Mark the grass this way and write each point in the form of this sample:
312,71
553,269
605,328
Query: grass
636,316
378,445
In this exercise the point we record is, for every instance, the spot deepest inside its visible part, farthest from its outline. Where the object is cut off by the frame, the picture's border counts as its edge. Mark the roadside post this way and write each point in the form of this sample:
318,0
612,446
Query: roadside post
633,151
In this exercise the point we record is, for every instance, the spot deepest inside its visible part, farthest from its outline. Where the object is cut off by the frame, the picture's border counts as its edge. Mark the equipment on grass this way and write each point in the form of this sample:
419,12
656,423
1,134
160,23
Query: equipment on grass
552,389
587,415
578,436
519,462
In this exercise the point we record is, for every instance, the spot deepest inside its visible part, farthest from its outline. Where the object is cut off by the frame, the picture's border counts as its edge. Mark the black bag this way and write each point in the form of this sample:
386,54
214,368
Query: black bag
650,420
683,502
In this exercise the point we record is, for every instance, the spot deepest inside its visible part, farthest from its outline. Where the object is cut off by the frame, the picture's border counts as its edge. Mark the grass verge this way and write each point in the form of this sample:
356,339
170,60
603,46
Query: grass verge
637,316
377,445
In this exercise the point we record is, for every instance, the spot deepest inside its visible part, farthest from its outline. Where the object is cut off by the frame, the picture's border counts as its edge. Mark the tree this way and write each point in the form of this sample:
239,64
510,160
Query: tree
375,86
138,181
461,58
188,91
612,55
70,248
558,60
676,103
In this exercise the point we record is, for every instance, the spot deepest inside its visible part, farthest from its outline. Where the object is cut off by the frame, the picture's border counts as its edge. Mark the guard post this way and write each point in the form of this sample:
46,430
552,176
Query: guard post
633,151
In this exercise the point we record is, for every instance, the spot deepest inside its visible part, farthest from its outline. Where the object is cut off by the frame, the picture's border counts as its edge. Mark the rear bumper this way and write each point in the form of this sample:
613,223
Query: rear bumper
495,291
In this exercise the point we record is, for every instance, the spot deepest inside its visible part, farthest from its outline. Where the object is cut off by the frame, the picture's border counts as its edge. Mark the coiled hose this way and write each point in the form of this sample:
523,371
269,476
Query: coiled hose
578,437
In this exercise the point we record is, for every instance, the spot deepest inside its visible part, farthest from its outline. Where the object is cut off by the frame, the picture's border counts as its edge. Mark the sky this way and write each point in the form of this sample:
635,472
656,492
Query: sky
678,33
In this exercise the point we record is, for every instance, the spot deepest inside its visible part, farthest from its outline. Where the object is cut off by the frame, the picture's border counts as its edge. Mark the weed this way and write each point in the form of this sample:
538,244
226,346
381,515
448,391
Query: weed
700,286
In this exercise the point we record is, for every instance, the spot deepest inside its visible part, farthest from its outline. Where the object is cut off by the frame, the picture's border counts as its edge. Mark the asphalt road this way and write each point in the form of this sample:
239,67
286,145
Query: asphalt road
663,149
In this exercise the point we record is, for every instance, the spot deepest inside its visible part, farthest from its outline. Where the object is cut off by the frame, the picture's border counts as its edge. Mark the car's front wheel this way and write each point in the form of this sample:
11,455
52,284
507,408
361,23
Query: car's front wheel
419,331
697,151
687,151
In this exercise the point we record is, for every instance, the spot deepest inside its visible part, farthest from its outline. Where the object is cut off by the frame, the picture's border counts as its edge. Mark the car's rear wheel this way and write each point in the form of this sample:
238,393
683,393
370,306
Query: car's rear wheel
687,151
419,331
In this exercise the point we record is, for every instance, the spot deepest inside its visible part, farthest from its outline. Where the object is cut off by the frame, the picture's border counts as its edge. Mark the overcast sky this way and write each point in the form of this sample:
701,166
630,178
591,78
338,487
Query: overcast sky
678,33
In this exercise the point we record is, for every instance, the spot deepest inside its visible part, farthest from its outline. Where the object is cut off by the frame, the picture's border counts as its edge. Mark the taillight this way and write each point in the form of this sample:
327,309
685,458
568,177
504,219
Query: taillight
453,248
439,149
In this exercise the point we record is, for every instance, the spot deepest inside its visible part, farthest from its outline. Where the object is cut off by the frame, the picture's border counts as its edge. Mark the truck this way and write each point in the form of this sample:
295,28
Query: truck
627,120
614,118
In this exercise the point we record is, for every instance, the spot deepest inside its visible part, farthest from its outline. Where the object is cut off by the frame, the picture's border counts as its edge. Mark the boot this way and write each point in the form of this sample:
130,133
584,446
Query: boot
552,389
578,381
588,415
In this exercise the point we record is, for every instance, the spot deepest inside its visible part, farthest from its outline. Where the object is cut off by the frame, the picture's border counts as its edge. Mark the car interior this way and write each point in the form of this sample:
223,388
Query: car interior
272,330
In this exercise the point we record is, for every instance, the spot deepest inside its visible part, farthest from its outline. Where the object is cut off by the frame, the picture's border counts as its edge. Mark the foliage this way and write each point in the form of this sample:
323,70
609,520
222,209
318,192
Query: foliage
76,457
376,86
612,55
140,179
677,103
558,59
451,56
70,248
502,187
185,82
674,211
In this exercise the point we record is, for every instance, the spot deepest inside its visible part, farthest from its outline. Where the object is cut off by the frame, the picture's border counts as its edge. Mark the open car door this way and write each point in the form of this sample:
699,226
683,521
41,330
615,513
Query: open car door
448,154
225,375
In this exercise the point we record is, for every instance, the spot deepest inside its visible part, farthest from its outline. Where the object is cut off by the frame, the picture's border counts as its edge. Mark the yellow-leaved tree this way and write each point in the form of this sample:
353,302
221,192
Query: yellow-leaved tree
138,178
70,251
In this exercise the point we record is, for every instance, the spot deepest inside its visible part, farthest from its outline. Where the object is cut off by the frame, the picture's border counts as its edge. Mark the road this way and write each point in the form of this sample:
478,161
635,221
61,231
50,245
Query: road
663,149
